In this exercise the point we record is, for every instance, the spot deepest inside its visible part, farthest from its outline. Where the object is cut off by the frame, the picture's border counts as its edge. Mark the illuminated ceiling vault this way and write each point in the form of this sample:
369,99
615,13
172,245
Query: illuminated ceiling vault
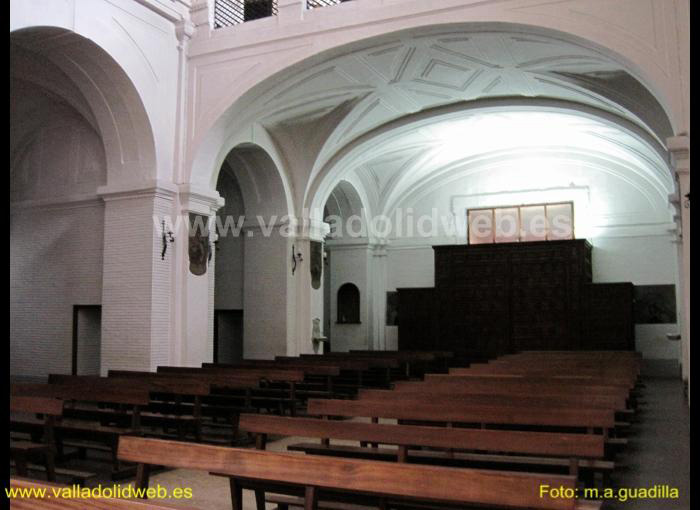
407,114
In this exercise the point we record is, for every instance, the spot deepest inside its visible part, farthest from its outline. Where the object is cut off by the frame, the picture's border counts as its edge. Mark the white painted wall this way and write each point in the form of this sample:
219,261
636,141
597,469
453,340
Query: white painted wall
350,264
55,262
265,295
56,229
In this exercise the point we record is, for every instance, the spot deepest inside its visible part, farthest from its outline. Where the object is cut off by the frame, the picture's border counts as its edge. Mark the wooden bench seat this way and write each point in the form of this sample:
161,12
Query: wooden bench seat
94,390
321,477
503,396
22,451
572,450
477,414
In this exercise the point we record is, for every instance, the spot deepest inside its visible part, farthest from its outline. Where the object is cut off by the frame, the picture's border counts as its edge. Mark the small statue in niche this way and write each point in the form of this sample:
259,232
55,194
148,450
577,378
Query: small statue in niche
198,248
317,337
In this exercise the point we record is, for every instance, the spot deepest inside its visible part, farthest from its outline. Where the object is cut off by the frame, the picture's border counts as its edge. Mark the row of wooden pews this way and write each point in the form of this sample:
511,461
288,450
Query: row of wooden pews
434,443
492,434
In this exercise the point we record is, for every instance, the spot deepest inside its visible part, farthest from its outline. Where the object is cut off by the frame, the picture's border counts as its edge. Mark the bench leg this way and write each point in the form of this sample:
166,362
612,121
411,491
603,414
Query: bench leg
21,464
50,466
260,499
116,465
143,473
310,498
236,494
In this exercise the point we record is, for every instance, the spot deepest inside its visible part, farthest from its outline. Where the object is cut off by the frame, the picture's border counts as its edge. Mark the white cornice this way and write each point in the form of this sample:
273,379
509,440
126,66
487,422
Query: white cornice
140,189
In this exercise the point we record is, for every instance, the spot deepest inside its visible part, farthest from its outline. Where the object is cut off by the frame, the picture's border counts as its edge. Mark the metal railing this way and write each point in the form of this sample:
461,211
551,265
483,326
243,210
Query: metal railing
234,12
314,4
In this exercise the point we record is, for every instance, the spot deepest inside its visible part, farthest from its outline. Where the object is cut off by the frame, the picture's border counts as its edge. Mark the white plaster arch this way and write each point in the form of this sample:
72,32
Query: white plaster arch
257,136
365,147
115,106
648,63
262,187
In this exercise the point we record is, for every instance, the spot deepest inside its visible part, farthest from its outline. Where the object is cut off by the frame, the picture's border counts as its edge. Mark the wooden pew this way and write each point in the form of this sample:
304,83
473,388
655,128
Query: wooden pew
318,379
242,378
175,388
21,451
352,369
50,503
453,413
587,375
468,396
379,373
361,479
87,432
567,451
532,385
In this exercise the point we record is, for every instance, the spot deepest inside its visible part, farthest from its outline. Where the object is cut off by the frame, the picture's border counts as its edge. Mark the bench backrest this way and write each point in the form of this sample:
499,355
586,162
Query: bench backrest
566,377
270,374
40,405
372,361
453,412
538,443
341,363
307,369
88,390
533,386
418,391
164,383
384,479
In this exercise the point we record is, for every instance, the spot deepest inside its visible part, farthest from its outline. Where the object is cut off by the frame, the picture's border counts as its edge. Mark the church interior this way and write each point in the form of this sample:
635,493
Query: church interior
349,254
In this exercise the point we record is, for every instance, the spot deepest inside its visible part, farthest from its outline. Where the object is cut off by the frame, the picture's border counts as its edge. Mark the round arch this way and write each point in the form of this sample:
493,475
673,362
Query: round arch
352,154
81,73
214,123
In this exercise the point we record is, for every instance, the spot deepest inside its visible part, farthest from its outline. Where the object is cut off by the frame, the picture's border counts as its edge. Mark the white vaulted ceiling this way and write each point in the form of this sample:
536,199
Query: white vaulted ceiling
350,114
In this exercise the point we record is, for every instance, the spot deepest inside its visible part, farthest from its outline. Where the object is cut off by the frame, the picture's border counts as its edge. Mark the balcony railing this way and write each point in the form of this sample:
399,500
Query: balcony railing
233,12
315,4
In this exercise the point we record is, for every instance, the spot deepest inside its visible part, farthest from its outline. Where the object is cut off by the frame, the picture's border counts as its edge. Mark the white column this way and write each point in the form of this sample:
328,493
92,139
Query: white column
305,303
378,282
193,325
136,298
679,147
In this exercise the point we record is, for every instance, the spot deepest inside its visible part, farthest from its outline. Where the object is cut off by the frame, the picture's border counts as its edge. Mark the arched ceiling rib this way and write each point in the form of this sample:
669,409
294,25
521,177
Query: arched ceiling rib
344,100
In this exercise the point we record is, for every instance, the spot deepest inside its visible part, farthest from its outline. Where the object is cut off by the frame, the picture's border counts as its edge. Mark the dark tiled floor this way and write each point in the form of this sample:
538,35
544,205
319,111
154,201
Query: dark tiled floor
658,452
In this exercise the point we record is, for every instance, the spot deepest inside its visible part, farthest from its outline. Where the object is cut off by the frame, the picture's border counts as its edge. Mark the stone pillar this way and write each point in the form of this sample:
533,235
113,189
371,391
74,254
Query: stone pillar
193,335
378,282
305,303
679,147
136,297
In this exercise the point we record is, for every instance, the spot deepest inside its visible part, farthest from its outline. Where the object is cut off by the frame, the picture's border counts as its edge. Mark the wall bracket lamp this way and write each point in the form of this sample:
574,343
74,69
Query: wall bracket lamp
167,237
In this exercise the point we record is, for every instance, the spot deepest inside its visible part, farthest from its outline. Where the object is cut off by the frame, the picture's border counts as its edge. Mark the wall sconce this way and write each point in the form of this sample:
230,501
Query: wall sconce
296,259
686,204
167,237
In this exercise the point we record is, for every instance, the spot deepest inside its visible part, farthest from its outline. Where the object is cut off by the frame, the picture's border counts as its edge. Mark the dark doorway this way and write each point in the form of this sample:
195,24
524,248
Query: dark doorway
87,334
228,336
